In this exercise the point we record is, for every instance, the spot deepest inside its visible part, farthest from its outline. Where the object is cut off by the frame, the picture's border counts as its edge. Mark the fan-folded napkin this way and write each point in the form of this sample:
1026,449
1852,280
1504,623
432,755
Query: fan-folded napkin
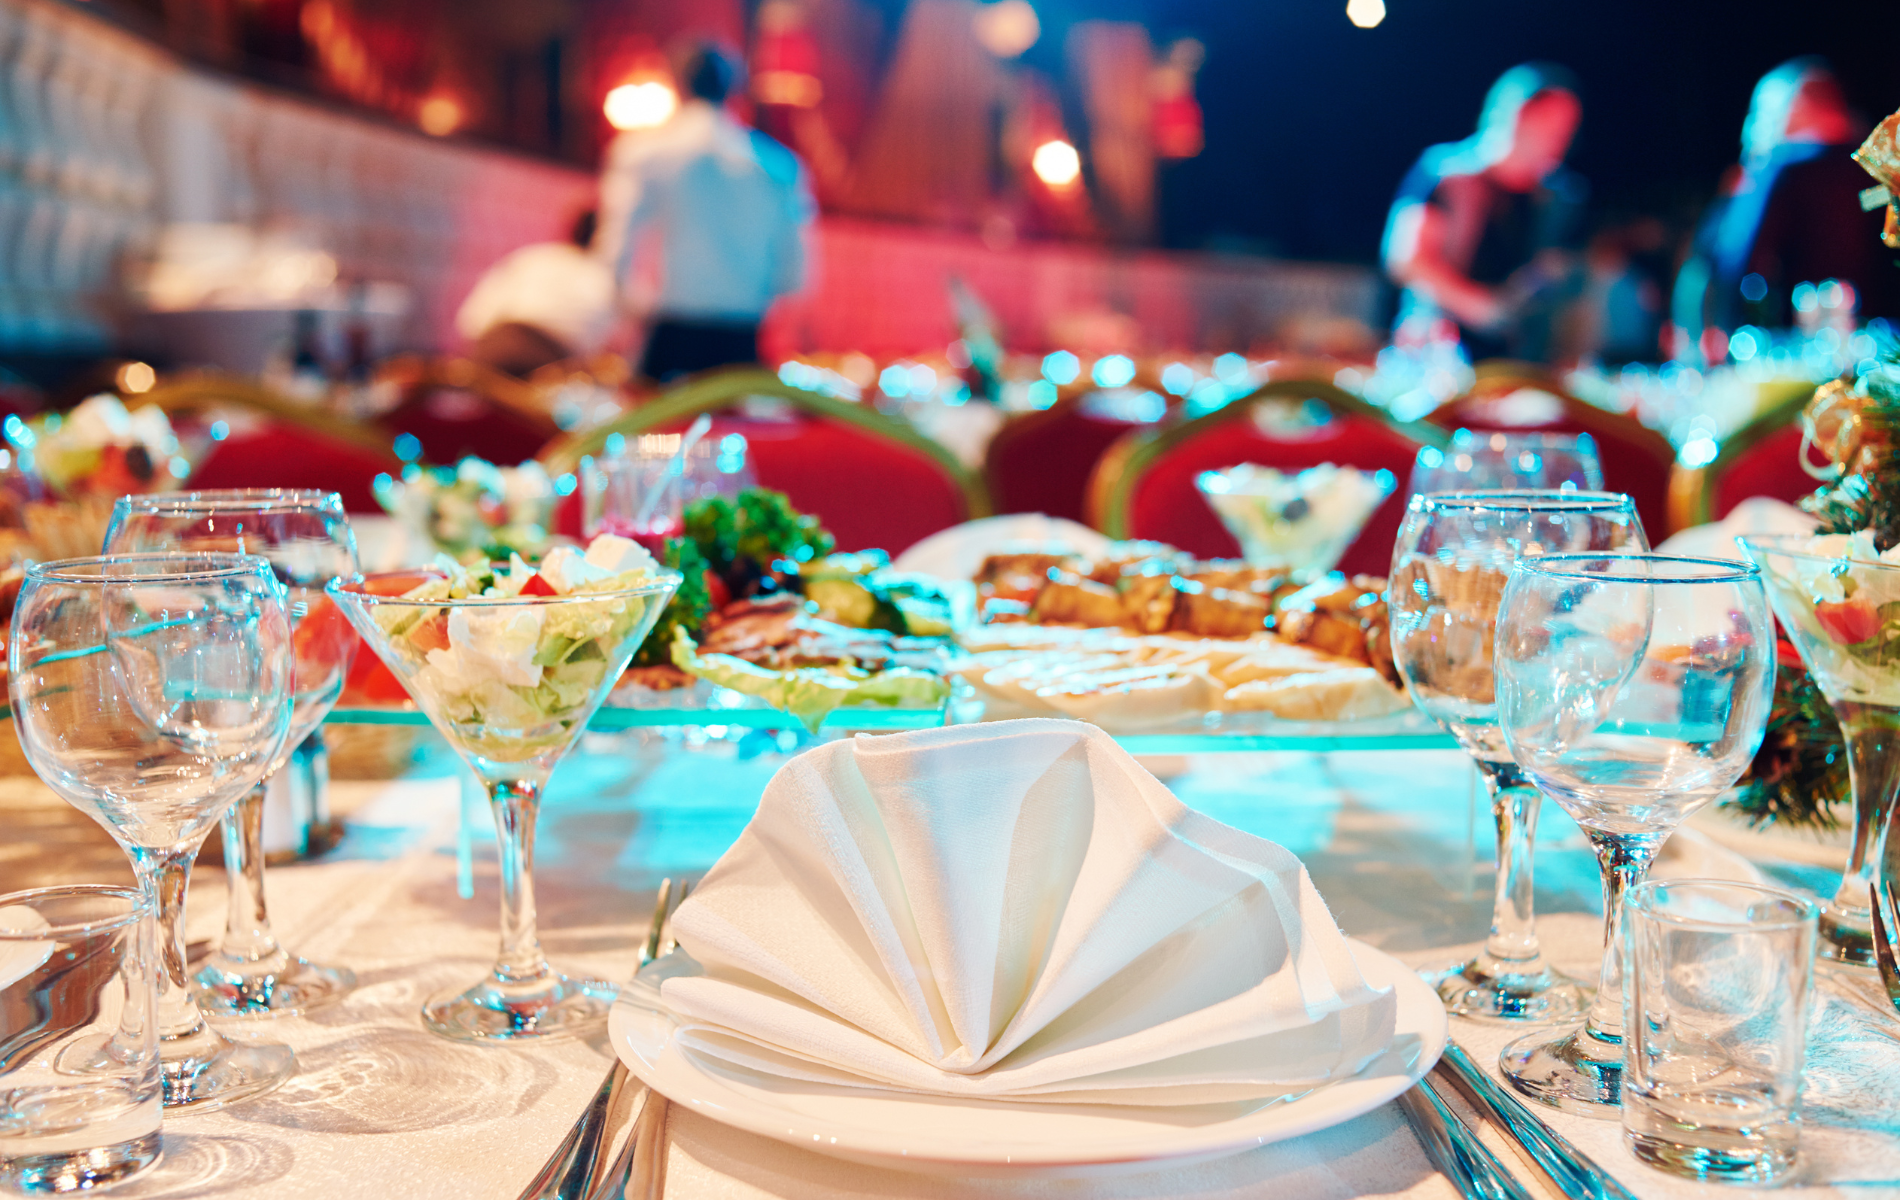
1014,911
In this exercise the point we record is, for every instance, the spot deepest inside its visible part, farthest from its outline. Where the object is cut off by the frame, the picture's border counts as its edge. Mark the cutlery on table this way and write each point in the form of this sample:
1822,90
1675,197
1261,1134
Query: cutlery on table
639,1170
577,1167
1455,1150
1569,1171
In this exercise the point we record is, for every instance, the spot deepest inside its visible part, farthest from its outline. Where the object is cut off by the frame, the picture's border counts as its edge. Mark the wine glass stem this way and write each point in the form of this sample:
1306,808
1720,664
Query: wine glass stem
165,875
1514,806
247,932
1873,767
516,804
1624,859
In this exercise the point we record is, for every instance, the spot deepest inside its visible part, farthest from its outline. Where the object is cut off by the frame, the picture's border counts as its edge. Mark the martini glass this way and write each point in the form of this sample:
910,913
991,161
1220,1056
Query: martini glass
1453,554
1835,605
1632,690
510,681
150,691
307,540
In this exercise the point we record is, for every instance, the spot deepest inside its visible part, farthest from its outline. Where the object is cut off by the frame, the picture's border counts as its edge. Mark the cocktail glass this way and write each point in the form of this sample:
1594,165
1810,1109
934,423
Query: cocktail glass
510,681
1836,602
1300,521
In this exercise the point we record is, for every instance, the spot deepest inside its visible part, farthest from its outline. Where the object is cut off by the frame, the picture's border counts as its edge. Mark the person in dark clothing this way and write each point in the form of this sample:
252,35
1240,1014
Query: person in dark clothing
1789,213
1483,231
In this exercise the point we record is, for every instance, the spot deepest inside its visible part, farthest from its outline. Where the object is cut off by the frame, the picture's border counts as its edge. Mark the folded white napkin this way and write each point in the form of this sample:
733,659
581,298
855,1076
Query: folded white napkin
1015,911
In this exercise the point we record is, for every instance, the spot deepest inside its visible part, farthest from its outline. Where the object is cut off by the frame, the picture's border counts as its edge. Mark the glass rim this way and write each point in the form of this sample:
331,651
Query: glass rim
141,907
1535,437
663,578
1643,899
1768,542
262,501
222,564
1527,500
1722,570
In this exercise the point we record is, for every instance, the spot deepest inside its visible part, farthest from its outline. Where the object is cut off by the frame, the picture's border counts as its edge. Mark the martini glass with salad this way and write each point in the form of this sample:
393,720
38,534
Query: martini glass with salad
1838,598
510,661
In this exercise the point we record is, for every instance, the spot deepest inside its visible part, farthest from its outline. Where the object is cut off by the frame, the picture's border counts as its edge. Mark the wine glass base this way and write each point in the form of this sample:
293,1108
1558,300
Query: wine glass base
1571,1069
1474,990
1846,940
543,1009
215,1072
62,1173
223,988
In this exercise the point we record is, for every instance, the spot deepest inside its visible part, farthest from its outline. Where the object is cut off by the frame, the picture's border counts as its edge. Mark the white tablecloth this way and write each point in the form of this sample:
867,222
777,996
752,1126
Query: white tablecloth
381,1108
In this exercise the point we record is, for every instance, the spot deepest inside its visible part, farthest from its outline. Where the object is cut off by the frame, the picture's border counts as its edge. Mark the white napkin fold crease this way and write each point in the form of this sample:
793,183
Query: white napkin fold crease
1016,911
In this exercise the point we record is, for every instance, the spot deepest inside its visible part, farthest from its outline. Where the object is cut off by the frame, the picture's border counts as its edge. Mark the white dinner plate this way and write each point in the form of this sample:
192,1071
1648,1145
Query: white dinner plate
931,1134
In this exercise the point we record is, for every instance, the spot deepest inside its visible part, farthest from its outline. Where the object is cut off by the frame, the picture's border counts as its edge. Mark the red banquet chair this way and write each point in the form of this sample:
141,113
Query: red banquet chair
1511,397
455,407
1762,458
280,443
874,482
1144,485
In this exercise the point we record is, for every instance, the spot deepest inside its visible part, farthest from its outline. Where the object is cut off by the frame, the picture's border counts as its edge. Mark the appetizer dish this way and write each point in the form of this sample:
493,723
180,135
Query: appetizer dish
768,611
1300,522
1144,635
476,512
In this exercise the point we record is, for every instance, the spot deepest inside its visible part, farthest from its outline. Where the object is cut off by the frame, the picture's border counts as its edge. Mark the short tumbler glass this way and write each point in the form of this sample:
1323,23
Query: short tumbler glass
1716,982
80,1091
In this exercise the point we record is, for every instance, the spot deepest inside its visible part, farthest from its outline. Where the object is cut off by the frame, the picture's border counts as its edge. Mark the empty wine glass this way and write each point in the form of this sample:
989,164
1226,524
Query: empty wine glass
510,681
1632,689
151,691
1449,565
1487,460
307,540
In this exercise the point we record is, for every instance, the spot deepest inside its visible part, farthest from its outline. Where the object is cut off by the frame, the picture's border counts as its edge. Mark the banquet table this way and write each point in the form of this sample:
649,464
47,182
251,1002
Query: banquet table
1397,842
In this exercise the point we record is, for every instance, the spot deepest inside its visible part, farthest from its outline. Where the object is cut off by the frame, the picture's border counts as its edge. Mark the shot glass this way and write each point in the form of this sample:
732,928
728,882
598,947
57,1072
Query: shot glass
80,1090
1716,990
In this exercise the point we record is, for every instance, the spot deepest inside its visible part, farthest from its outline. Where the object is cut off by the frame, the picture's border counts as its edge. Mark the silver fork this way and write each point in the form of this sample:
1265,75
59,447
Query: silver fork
639,1169
577,1169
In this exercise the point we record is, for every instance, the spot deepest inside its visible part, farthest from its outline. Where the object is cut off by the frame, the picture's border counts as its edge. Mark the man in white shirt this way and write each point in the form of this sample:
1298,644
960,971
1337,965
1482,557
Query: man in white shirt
541,304
718,211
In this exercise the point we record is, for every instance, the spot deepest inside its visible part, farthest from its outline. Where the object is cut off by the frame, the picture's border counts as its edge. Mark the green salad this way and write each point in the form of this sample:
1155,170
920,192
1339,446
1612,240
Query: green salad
523,673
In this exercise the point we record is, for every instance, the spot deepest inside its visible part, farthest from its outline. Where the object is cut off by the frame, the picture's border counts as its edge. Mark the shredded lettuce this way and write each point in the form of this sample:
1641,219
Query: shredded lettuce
811,693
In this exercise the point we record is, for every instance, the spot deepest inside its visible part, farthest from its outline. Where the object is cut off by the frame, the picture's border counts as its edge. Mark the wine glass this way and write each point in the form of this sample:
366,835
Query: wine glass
1566,461
151,691
510,681
1829,595
307,540
1632,690
1449,565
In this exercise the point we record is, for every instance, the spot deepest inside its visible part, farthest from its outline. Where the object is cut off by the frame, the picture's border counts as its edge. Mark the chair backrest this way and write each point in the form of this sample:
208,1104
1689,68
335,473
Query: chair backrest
1762,458
1144,485
457,407
1517,397
294,446
872,480
1042,461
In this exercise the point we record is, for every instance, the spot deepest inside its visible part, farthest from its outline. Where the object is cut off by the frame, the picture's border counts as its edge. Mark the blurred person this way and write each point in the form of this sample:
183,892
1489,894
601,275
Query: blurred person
1481,232
718,211
541,304
1788,213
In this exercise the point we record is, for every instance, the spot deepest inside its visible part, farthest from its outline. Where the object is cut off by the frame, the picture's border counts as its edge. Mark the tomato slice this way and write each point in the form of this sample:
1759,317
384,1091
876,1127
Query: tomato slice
716,590
431,634
537,586
1849,621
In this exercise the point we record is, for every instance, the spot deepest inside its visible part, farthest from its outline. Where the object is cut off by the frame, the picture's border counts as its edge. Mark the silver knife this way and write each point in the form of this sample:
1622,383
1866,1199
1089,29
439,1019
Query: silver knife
1455,1150
1570,1172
